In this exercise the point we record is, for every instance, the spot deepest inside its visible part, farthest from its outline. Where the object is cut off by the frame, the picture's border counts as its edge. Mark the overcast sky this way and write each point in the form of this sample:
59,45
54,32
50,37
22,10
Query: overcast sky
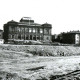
64,15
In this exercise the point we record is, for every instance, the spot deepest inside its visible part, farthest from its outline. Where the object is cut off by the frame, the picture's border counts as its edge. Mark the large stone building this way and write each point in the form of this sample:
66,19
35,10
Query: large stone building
26,29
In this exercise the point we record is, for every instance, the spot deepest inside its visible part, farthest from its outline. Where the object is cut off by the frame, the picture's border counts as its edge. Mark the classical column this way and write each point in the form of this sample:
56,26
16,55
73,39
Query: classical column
21,36
40,38
32,37
9,36
32,30
29,37
36,37
25,36
16,36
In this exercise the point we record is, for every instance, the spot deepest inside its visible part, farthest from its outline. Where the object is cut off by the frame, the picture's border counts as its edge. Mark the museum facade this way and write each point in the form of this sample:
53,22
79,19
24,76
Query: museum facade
26,29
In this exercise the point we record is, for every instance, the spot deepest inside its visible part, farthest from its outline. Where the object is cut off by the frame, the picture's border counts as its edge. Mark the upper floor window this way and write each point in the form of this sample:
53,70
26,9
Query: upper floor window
37,30
15,29
49,31
30,29
46,31
41,30
18,29
26,30
34,30
22,29
47,38
10,29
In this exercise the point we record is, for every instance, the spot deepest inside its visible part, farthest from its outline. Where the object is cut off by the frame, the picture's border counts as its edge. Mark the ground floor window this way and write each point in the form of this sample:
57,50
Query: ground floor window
27,37
19,36
38,38
30,37
47,38
12,36
34,37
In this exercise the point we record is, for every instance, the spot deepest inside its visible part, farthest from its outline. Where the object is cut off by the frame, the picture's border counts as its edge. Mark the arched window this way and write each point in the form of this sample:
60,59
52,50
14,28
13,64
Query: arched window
41,30
30,29
34,30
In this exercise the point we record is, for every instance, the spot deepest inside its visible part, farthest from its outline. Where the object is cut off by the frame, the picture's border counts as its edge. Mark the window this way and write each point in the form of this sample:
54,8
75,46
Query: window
19,36
26,29
34,30
47,38
30,37
49,31
41,38
34,37
46,31
27,37
41,31
18,29
22,30
37,30
12,36
15,29
10,28
30,30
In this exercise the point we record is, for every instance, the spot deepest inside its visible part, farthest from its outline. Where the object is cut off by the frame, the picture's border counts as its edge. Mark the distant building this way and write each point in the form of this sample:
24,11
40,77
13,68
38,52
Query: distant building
26,29
72,37
1,37
1,34
54,38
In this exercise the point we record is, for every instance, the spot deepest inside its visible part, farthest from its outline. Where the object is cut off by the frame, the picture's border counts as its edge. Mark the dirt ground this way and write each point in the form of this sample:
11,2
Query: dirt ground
35,67
21,65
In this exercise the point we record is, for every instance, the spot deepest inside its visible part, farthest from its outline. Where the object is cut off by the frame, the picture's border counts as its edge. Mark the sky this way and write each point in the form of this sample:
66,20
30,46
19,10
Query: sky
64,15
